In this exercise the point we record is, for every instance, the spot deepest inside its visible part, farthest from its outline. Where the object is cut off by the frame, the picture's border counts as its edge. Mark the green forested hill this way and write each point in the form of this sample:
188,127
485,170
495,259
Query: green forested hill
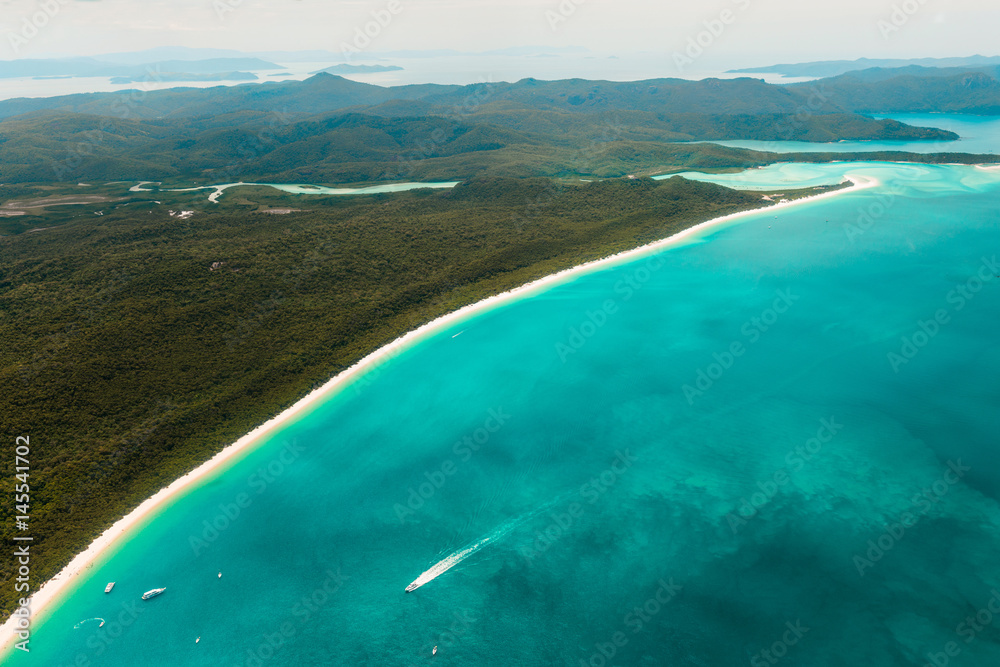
328,129
955,90
829,68
354,147
325,93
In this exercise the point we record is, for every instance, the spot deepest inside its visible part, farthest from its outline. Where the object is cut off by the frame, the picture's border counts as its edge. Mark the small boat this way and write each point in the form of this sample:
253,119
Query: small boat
412,587
198,639
435,651
102,623
107,589
220,575
153,593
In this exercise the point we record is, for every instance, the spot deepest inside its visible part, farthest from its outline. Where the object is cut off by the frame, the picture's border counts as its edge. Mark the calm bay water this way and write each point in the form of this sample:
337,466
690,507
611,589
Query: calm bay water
304,189
779,436
978,135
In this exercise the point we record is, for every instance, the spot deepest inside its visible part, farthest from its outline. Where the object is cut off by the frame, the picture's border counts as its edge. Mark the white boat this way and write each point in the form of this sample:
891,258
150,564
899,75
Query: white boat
107,589
153,593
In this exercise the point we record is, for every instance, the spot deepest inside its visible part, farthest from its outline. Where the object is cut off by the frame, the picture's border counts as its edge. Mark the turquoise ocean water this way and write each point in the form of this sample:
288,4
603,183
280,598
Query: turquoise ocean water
774,442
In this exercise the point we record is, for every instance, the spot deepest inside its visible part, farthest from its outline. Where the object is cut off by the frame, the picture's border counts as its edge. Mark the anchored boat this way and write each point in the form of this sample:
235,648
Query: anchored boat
153,593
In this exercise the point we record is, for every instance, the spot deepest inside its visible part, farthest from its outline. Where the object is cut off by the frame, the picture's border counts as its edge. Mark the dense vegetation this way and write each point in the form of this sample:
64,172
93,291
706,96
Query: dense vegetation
916,89
328,129
129,360
354,147
654,101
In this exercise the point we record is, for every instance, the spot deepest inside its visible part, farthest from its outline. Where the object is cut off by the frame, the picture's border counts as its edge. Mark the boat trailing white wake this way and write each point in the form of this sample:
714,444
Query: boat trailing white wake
457,557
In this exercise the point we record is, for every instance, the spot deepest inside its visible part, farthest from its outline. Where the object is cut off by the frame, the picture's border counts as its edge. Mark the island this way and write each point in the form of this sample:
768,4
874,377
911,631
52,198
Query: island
358,69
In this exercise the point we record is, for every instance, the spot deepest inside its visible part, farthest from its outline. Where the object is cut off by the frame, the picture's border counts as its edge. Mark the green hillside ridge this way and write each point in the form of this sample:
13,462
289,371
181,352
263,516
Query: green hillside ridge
971,91
353,147
828,68
326,93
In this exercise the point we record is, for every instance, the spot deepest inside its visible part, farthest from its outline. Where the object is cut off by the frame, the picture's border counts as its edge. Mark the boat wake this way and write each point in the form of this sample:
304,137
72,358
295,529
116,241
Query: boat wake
88,620
457,557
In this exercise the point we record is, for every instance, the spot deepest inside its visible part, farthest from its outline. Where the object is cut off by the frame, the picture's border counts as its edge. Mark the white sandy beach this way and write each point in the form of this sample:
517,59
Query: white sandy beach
45,599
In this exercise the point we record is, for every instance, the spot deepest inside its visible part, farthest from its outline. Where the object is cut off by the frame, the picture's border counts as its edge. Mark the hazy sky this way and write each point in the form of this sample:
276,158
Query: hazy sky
759,31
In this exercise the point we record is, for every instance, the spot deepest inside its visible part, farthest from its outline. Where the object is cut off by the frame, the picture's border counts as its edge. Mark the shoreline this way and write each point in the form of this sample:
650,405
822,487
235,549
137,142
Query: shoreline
46,599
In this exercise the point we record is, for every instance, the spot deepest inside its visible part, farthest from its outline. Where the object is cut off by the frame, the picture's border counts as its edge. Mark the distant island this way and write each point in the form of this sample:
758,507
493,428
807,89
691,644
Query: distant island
827,68
171,77
358,69
72,67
